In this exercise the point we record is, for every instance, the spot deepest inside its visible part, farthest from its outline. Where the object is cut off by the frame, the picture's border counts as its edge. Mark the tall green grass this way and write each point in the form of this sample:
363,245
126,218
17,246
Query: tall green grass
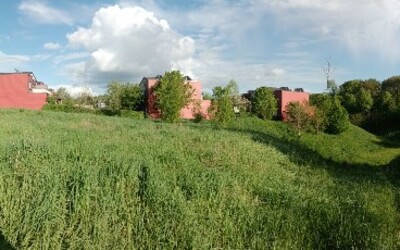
81,181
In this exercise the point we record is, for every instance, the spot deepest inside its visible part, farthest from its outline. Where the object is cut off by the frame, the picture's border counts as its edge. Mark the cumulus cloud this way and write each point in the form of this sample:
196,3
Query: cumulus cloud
256,42
52,46
39,12
131,42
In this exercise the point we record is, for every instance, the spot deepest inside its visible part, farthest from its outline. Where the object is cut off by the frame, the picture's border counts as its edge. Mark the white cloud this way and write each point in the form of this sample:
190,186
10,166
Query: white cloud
39,12
4,38
256,42
52,46
131,42
362,27
10,62
72,56
277,72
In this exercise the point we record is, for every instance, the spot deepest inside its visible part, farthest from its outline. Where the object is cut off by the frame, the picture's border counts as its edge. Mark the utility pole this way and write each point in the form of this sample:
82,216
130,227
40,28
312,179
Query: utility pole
328,70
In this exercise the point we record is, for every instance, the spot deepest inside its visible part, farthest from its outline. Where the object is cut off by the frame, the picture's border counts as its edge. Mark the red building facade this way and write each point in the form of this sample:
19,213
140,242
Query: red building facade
285,96
22,90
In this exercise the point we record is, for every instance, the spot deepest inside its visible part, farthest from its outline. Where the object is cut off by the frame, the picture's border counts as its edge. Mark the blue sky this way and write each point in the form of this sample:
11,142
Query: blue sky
72,44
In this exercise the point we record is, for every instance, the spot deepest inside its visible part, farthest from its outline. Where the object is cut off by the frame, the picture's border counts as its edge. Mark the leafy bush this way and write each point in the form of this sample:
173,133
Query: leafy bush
68,108
298,115
264,103
221,109
172,94
337,116
124,96
132,114
358,119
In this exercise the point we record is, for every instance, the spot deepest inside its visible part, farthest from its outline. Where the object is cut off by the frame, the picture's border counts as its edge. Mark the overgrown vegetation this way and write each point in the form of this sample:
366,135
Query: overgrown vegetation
172,94
222,108
373,105
332,115
79,181
264,103
299,116
124,96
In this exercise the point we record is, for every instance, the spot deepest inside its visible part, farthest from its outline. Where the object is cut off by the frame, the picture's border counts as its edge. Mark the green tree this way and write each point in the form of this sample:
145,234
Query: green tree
386,102
373,86
124,96
357,96
264,103
84,98
60,95
392,84
206,96
318,120
298,115
364,101
348,95
172,94
222,105
336,116
114,95
319,100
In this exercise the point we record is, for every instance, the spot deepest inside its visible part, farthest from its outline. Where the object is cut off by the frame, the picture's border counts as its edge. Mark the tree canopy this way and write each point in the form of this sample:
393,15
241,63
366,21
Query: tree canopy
222,104
124,96
264,103
172,94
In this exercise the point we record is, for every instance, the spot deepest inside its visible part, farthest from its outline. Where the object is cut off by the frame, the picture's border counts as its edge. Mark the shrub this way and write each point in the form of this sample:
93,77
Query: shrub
337,116
172,94
221,109
69,108
197,112
122,96
318,120
264,103
298,115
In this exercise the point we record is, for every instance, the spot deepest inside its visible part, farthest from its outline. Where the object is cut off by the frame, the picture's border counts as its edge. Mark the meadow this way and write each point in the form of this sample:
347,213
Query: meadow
85,181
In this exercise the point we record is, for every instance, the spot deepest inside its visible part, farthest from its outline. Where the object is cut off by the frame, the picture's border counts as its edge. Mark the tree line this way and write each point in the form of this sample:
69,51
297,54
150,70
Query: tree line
367,103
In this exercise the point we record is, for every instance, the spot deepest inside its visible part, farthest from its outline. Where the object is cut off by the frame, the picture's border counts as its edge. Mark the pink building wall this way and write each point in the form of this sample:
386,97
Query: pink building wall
16,92
187,112
285,97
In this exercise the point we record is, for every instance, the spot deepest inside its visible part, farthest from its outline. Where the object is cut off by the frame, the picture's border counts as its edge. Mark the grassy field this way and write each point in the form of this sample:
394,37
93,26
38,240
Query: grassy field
80,181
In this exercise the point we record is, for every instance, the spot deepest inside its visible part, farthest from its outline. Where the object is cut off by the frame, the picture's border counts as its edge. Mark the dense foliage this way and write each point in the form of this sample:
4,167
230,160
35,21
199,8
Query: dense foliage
264,103
332,115
79,181
372,105
337,118
61,94
222,108
124,96
172,94
298,115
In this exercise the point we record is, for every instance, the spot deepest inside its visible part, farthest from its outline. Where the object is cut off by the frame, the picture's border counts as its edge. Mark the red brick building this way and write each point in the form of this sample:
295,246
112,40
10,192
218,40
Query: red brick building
285,96
22,90
187,112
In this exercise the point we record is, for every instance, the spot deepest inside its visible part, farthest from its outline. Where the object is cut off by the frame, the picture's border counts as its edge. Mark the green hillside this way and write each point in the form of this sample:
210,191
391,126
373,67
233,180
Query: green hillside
79,181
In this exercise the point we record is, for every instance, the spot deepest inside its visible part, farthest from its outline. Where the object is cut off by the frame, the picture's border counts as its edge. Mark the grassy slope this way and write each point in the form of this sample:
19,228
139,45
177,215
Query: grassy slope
83,181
